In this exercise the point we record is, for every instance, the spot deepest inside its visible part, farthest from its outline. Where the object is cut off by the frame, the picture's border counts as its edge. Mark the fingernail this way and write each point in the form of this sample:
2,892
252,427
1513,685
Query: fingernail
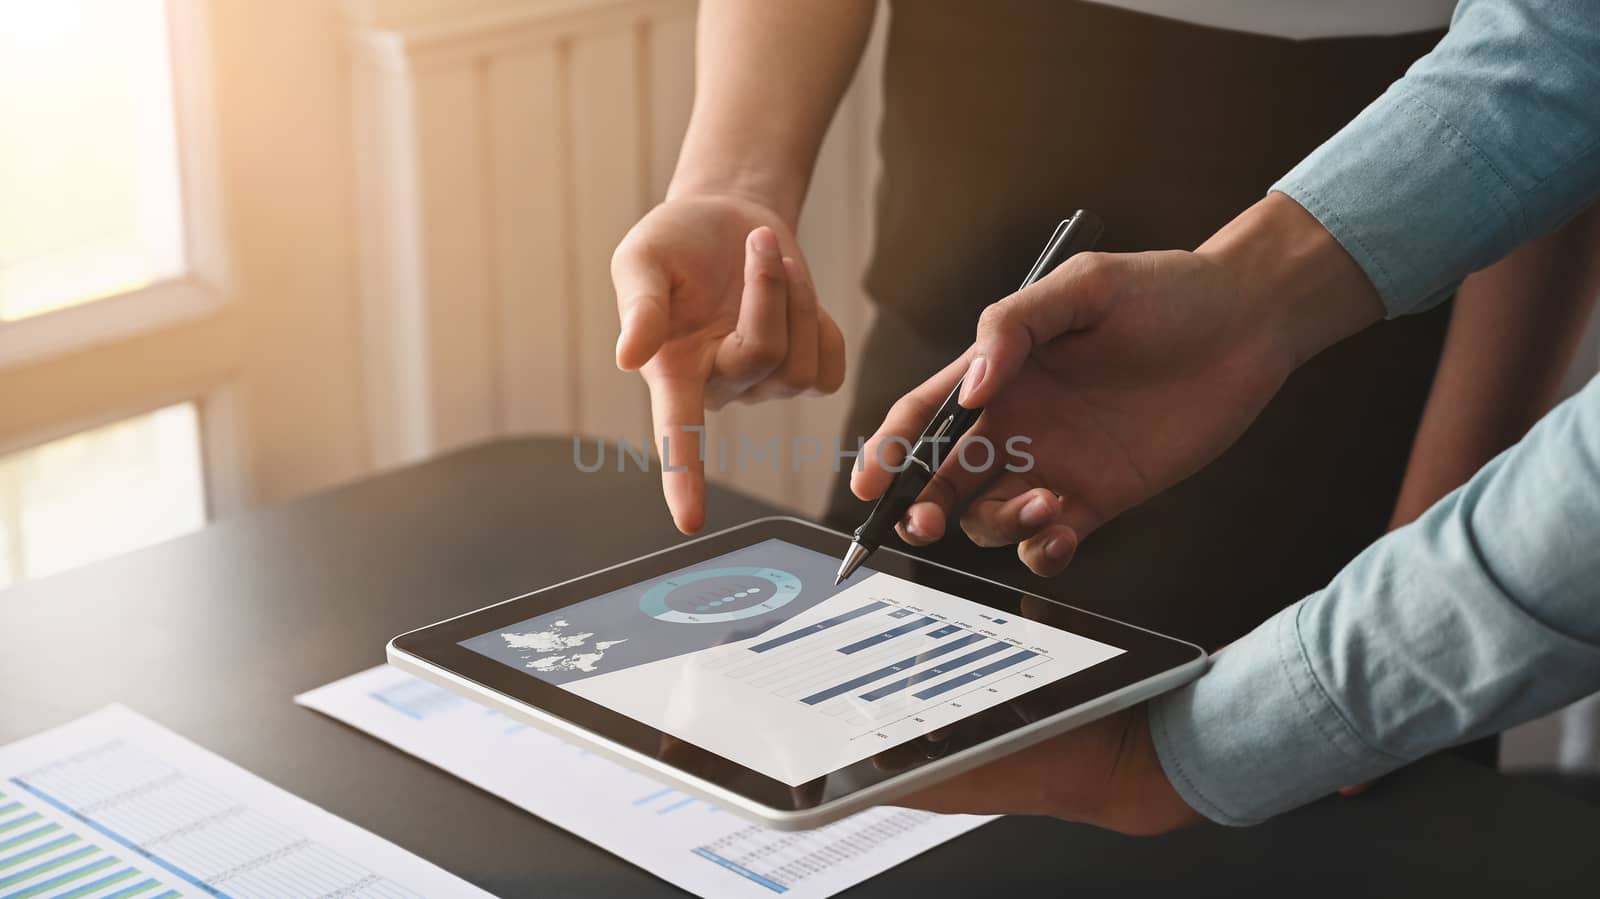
1035,512
974,377
911,527
1058,548
763,241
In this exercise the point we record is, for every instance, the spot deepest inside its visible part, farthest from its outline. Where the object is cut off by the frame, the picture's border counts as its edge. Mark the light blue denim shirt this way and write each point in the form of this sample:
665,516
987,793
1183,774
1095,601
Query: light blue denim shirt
1486,611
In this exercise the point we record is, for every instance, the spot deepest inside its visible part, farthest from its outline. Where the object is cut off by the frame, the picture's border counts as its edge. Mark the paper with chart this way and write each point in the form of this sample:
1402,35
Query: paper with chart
682,840
113,806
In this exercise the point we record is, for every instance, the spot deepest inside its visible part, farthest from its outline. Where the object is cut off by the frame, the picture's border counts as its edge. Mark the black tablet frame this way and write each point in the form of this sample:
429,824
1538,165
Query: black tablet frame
1147,654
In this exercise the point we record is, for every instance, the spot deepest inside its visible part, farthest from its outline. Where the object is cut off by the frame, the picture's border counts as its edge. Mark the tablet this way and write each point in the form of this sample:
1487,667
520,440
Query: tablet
731,667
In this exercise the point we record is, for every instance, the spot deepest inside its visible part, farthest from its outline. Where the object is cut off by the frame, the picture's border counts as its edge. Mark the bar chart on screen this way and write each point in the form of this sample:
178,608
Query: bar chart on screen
879,663
681,839
112,805
887,665
865,670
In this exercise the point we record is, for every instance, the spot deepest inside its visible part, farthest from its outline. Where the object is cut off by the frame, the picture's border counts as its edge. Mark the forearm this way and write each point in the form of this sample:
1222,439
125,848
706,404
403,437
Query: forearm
1513,331
1489,141
768,77
1294,277
1482,614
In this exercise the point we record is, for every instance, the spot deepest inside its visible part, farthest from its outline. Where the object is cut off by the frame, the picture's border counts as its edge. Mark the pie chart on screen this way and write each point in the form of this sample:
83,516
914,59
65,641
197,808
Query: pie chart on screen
719,594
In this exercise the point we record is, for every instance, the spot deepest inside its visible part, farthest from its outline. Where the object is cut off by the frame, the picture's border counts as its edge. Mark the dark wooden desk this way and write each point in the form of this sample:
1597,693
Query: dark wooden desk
212,634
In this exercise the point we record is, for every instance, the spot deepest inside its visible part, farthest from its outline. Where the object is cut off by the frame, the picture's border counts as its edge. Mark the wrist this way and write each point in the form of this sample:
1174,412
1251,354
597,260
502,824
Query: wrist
1294,276
770,184
1142,800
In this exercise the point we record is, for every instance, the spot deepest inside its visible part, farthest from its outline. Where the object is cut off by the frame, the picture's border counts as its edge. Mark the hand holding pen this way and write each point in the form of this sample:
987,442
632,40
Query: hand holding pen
1124,372
956,415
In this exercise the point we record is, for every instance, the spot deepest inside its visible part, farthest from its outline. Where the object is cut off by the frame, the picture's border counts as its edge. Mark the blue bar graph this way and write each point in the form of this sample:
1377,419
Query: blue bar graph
668,809
15,823
889,634
931,673
419,699
902,665
136,889
901,613
942,632
979,674
98,885
64,879
740,870
807,631
646,800
18,840
71,852
118,838
47,865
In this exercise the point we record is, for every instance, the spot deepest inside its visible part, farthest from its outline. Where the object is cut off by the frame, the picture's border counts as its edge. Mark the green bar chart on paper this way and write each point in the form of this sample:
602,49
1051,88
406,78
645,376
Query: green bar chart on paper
113,806
42,855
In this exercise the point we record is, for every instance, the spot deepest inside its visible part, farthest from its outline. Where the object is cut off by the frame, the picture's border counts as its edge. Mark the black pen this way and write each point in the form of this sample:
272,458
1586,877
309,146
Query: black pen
1080,232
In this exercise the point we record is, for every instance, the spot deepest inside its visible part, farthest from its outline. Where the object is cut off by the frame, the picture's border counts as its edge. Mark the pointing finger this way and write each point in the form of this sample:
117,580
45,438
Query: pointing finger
677,404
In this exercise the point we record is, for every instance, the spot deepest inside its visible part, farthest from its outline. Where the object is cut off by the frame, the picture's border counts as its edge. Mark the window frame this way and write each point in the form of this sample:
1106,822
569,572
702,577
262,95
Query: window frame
204,287
80,367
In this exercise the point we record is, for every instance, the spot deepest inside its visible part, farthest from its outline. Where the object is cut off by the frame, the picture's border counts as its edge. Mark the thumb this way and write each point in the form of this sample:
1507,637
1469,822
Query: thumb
643,292
1068,299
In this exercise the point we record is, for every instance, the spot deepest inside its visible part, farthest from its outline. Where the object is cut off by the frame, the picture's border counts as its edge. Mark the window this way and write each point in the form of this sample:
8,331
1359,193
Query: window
100,492
117,296
96,247
88,153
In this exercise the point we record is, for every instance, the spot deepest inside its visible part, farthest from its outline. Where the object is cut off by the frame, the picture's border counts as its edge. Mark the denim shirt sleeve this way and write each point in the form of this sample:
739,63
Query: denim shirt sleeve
1483,613
1490,140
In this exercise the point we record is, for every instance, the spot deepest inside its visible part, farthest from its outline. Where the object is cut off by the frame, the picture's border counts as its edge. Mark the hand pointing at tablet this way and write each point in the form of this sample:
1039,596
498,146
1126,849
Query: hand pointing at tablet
717,307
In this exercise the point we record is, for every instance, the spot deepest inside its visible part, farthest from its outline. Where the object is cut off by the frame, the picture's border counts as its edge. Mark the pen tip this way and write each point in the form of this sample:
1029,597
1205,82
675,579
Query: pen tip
852,561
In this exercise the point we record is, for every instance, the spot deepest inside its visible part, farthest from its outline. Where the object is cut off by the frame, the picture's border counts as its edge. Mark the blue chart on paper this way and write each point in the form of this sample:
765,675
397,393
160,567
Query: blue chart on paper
116,822
809,863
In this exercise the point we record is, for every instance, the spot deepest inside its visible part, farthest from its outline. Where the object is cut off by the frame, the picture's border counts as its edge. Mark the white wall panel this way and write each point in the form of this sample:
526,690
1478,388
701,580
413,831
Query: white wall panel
532,245
451,134
609,189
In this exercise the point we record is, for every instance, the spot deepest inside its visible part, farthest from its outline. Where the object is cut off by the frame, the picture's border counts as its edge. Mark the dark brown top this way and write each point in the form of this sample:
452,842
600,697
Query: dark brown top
1001,117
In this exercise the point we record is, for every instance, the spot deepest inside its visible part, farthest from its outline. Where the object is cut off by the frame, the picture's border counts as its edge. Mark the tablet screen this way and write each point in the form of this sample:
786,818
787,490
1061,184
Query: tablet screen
756,656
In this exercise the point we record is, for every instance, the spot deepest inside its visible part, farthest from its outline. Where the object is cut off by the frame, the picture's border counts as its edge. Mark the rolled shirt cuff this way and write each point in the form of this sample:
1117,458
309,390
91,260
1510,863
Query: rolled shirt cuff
1257,735
1415,228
